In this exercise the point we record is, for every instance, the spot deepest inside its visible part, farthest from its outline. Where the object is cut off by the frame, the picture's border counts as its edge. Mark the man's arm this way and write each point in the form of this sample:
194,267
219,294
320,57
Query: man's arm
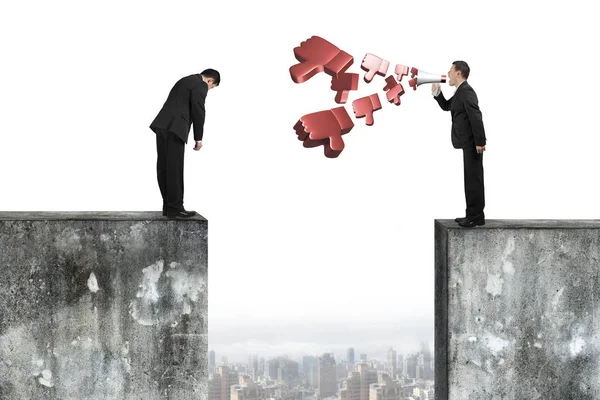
197,110
474,114
436,90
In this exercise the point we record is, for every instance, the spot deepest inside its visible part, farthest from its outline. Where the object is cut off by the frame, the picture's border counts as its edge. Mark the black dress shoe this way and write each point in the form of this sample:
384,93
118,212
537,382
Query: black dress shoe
459,219
181,214
472,222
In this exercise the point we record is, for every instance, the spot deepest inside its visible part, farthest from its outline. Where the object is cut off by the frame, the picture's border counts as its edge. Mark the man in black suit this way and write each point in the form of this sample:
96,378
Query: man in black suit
184,107
467,134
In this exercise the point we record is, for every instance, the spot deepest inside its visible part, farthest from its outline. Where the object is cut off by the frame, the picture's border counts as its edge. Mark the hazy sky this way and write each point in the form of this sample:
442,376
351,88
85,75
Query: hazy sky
297,339
295,238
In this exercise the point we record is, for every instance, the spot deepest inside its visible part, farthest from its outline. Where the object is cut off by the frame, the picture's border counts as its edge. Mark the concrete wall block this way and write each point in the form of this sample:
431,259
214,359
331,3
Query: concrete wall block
103,306
517,310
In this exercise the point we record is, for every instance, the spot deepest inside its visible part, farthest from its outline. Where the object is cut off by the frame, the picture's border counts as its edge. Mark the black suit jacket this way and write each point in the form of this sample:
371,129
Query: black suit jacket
467,124
184,107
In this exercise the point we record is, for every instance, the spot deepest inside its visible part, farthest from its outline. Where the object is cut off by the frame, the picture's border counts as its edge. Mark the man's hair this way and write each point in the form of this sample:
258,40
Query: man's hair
212,73
463,67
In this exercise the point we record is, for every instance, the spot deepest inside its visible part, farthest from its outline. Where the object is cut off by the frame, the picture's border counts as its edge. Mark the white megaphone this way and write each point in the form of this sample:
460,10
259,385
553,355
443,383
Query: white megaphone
421,77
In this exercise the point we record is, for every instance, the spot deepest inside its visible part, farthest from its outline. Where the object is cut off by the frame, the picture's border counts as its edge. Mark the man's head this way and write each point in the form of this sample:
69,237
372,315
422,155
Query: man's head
458,73
211,77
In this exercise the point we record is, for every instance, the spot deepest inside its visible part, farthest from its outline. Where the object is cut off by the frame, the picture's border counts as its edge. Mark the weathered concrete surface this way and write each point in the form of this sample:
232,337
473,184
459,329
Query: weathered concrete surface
516,313
103,306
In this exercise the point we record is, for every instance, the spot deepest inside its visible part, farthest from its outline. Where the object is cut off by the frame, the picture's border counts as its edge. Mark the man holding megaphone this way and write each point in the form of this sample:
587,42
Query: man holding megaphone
467,134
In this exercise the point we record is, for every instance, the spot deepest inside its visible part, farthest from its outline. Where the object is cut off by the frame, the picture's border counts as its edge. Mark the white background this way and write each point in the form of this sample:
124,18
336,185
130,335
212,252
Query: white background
296,238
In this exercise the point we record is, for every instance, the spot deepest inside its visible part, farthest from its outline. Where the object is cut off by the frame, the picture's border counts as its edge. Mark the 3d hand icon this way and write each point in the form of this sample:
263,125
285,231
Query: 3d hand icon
325,128
401,71
393,90
317,55
414,72
374,65
365,106
343,84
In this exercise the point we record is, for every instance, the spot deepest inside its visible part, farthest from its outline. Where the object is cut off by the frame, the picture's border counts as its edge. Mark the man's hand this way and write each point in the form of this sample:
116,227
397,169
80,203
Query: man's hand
480,149
435,89
198,145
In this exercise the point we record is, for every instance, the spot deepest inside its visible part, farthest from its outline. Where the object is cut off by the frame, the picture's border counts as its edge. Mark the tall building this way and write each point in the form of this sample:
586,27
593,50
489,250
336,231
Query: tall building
288,372
391,362
313,377
214,387
253,366
261,366
219,384
310,370
409,389
367,377
327,385
283,369
341,371
356,385
431,369
271,367
247,389
363,357
427,361
411,366
308,362
350,387
420,371
401,367
224,360
385,389
350,357
425,350
211,361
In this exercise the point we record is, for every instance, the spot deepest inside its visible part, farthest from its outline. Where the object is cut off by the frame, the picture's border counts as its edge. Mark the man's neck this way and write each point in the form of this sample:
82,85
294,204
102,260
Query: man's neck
460,83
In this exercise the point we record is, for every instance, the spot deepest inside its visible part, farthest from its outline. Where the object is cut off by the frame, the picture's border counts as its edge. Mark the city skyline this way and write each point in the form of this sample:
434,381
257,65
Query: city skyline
300,339
324,376
378,356
237,338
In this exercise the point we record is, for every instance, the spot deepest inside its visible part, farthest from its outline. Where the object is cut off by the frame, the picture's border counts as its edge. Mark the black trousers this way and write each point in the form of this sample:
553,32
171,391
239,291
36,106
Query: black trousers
474,190
169,169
